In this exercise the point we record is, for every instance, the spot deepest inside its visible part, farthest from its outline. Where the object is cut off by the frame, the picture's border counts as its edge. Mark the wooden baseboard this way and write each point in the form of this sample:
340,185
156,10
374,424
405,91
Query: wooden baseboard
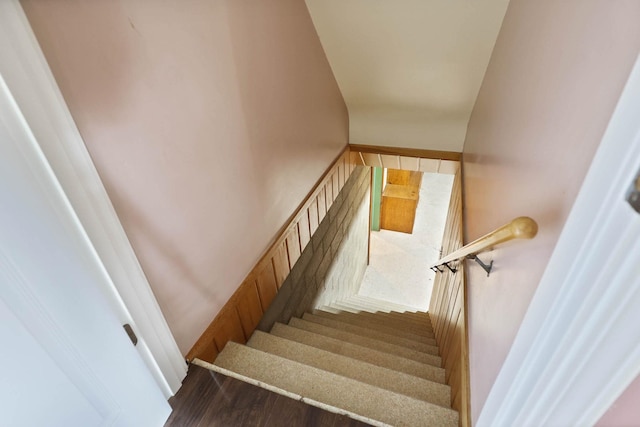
448,313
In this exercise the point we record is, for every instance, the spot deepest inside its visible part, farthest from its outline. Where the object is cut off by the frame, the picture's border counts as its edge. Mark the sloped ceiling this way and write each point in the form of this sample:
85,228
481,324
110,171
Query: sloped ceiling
409,70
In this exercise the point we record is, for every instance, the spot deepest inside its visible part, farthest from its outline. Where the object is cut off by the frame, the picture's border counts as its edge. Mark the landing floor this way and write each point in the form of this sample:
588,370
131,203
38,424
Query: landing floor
398,267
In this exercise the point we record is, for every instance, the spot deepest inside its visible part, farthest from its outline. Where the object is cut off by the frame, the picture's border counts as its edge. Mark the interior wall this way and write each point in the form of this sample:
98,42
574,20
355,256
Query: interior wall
208,122
395,126
553,81
624,412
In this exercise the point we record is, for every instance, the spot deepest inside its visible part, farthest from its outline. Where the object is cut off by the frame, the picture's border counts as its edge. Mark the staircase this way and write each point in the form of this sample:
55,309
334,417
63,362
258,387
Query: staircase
378,367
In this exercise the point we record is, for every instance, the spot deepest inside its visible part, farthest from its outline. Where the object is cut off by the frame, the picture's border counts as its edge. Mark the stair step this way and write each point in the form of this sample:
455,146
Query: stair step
380,305
316,386
373,344
340,308
331,309
421,317
427,346
429,368
371,306
415,324
353,307
409,317
399,330
387,305
399,382
398,322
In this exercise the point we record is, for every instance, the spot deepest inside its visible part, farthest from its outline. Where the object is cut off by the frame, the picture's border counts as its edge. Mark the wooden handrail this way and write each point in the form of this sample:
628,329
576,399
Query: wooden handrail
520,228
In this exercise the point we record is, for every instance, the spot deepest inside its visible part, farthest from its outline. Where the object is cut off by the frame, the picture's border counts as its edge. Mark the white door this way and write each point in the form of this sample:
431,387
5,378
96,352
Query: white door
65,359
27,74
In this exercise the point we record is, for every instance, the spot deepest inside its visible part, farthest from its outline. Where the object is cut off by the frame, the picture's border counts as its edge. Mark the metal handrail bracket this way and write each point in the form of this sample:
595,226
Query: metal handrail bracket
520,228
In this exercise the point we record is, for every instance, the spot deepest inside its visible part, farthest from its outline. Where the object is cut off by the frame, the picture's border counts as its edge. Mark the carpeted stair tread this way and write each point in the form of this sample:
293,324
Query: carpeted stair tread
352,306
317,385
371,343
426,346
357,307
398,382
361,319
340,307
390,326
380,318
401,322
415,318
385,305
331,309
429,368
404,317
420,316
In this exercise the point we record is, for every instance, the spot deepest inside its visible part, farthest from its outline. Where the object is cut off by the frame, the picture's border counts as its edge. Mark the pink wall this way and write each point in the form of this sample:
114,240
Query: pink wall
554,78
208,121
625,412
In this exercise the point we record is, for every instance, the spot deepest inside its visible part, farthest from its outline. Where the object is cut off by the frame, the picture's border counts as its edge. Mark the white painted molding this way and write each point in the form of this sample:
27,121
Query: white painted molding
27,74
578,347
55,316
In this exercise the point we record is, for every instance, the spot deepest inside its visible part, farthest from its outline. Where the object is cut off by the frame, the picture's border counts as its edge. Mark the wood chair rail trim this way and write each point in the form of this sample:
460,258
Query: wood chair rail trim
240,315
406,152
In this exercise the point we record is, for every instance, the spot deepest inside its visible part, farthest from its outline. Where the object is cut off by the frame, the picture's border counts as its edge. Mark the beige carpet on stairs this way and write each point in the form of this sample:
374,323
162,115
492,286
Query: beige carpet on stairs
379,367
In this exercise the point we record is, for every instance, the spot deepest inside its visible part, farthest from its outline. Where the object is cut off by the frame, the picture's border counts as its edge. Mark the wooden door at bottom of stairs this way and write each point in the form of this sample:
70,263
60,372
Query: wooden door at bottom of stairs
65,359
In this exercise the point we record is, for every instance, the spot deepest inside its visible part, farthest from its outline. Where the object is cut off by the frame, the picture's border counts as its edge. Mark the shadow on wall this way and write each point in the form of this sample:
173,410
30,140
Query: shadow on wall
334,260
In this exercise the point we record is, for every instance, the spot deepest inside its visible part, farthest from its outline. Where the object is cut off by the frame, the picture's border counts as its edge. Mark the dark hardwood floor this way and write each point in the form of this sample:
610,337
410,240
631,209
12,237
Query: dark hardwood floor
211,399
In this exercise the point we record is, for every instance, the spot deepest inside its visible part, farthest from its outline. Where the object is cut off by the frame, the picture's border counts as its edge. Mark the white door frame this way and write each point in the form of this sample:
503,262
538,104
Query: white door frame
27,74
578,347
65,360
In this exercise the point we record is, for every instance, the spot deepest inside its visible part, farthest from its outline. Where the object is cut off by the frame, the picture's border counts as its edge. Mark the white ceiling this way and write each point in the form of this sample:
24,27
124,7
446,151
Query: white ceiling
409,70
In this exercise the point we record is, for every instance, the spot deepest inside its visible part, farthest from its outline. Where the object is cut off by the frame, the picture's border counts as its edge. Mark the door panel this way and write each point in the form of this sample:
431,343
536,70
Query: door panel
22,376
65,358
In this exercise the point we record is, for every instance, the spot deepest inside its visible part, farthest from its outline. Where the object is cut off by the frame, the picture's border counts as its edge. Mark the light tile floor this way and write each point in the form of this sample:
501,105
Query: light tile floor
398,269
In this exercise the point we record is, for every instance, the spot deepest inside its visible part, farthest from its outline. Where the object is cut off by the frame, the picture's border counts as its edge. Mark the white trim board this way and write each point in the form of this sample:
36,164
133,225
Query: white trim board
578,347
27,74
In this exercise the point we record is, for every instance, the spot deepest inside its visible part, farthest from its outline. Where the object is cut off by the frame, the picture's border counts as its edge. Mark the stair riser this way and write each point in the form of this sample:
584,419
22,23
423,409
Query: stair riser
429,347
363,306
358,299
387,379
375,324
348,337
421,317
331,309
334,390
422,325
429,368
341,307
398,322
